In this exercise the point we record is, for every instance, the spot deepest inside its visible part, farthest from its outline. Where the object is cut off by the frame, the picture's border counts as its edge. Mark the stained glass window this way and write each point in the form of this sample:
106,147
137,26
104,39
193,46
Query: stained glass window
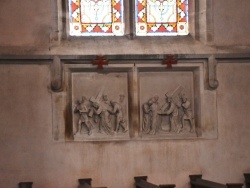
161,17
96,17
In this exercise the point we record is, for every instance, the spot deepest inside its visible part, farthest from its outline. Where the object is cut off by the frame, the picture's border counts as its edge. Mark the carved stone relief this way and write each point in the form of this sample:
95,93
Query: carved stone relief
134,102
167,109
99,105
177,109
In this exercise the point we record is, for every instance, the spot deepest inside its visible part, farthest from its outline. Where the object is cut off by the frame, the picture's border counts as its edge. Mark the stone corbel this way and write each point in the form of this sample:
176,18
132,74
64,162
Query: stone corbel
212,81
56,74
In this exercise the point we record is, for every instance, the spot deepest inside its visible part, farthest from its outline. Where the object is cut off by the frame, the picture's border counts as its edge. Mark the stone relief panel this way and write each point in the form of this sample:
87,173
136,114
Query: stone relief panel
99,106
167,104
134,102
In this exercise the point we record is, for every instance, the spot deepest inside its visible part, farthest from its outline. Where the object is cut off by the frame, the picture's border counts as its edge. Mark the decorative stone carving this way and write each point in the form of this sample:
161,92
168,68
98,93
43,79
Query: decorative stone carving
167,109
56,74
100,113
82,110
212,81
141,101
177,109
151,118
99,106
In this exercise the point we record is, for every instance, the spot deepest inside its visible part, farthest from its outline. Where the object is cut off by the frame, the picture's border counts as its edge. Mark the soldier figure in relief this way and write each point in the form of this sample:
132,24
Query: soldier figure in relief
146,116
171,109
82,109
154,116
117,110
103,114
187,112
151,118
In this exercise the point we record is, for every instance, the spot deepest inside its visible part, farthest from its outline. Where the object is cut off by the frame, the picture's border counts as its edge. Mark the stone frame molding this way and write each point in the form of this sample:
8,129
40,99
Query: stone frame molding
200,22
204,96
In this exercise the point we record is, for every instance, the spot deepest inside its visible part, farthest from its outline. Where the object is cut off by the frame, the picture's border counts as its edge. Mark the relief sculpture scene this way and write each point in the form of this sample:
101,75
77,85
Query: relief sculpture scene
166,109
100,106
100,112
173,116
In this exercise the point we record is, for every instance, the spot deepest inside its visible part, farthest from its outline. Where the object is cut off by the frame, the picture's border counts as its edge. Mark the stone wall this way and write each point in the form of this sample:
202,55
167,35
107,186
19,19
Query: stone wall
28,151
30,28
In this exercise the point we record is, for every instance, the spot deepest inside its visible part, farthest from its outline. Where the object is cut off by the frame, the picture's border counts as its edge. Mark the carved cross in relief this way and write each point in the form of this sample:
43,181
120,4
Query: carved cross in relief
100,62
169,61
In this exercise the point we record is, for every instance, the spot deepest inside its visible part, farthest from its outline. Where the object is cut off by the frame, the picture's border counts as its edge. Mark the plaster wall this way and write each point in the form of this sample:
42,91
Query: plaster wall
230,22
24,23
28,152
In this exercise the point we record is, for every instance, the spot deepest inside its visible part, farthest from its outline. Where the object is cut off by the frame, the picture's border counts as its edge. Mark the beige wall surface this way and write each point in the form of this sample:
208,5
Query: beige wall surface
25,23
28,152
230,22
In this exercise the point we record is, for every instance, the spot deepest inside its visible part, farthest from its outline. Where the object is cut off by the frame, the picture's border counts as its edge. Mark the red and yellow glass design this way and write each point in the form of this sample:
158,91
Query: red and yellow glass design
96,17
161,17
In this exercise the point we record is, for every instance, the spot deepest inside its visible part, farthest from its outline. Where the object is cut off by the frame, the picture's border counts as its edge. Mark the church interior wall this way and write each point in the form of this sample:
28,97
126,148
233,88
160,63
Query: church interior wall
29,152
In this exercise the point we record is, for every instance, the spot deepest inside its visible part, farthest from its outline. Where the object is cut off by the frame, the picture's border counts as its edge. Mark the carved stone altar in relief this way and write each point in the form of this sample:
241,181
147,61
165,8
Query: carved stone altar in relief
167,104
99,106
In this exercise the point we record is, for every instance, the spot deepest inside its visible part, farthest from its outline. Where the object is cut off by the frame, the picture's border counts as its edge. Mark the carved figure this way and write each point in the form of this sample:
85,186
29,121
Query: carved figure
103,114
121,99
117,110
107,115
151,118
146,116
187,112
177,108
154,116
123,104
105,103
170,108
82,109
105,99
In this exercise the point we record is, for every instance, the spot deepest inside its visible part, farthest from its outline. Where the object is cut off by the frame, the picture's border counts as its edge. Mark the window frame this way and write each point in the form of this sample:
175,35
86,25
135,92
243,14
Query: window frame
145,24
200,22
113,28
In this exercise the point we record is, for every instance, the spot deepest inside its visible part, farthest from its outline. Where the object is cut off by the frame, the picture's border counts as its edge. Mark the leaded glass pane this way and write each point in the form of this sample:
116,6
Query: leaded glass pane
96,17
161,17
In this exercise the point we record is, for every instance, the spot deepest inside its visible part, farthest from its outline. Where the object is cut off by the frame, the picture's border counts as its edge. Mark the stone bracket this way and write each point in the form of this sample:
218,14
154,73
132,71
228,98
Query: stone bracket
212,81
56,74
